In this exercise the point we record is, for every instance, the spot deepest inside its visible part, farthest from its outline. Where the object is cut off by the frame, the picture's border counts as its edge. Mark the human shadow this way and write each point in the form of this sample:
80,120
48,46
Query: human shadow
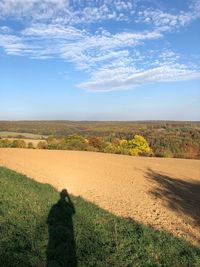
181,195
61,249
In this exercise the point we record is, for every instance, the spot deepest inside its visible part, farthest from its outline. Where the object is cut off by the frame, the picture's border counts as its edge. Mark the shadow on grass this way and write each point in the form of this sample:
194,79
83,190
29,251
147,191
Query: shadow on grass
181,196
61,249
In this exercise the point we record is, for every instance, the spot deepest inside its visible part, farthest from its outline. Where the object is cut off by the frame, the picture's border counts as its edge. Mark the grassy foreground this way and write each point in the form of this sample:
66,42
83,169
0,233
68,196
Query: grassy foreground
30,217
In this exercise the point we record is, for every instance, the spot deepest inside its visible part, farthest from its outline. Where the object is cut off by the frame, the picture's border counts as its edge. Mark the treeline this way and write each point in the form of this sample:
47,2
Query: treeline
137,146
158,146
17,143
149,145
166,139
175,146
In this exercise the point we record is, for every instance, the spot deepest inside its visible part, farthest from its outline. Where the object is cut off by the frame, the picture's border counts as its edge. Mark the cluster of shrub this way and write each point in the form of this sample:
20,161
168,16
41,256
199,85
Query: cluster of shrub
17,143
136,146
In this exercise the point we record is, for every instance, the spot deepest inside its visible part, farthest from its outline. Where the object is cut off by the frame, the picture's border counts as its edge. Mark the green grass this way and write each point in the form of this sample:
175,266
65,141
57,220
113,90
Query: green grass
102,239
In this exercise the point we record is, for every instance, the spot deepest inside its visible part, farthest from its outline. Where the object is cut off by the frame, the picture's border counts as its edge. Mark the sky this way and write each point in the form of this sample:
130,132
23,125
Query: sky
100,60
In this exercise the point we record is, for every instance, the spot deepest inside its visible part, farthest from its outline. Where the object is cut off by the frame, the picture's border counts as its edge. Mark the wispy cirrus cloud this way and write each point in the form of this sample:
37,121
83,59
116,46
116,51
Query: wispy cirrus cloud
72,43
122,79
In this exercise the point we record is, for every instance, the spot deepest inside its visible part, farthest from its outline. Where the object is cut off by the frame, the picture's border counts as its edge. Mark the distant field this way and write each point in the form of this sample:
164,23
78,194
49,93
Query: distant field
163,193
6,134
35,232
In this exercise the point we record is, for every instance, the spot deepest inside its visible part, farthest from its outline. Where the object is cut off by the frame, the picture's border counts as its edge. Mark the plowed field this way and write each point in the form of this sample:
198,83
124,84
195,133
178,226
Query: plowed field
162,193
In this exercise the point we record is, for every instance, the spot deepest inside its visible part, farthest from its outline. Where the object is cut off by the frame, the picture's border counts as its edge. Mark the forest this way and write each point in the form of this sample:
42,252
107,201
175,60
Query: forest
161,138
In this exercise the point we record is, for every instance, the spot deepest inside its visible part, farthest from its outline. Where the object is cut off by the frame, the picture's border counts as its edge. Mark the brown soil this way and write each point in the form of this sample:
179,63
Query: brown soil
162,193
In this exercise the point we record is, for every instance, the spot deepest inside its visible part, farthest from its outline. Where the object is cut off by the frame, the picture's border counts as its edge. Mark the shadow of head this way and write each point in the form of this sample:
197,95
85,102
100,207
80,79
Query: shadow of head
64,194
181,195
61,249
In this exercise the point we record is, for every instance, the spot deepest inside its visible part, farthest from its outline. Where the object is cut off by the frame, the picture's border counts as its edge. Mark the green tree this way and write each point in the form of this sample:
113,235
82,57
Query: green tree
74,142
30,145
5,143
18,143
42,145
96,142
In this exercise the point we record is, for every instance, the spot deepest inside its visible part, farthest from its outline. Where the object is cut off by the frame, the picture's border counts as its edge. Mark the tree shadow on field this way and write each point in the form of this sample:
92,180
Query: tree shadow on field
180,195
61,249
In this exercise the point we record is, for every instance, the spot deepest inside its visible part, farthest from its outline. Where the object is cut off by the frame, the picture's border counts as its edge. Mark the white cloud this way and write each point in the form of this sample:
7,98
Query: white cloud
10,43
78,46
5,29
66,11
31,8
165,21
120,79
54,31
195,8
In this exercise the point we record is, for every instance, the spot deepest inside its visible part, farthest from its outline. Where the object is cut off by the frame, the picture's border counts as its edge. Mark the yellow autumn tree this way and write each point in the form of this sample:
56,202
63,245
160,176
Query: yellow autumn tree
138,146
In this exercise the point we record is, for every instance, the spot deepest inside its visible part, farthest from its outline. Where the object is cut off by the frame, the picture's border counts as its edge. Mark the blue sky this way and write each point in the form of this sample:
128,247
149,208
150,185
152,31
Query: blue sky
100,60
